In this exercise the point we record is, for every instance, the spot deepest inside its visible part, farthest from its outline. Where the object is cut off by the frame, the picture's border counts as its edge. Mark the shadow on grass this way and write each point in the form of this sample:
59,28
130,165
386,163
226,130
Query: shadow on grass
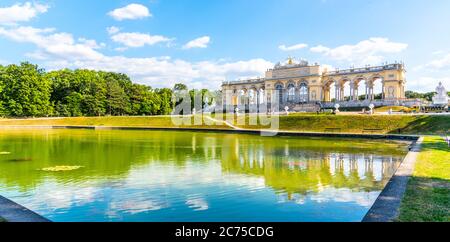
426,200
437,125
432,145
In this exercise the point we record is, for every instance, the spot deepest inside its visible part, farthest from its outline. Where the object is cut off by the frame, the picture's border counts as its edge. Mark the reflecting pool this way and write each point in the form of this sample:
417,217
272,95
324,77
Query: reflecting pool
93,175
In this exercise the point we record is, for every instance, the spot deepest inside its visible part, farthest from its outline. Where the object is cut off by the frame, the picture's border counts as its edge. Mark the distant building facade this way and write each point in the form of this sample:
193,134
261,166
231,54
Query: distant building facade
301,83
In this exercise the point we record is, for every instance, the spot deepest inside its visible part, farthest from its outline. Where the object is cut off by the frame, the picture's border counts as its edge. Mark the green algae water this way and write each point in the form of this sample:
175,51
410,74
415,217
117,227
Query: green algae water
93,175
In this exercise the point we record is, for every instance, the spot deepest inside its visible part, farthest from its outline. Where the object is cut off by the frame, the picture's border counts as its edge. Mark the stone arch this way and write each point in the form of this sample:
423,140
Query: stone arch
343,88
326,89
376,80
344,80
301,82
376,76
356,86
278,85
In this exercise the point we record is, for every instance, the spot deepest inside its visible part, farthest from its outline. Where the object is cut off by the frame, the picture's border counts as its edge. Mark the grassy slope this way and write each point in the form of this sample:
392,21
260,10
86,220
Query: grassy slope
427,196
393,124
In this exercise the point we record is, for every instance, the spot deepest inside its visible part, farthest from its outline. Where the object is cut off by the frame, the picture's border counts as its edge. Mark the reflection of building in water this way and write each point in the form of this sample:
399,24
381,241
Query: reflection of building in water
307,171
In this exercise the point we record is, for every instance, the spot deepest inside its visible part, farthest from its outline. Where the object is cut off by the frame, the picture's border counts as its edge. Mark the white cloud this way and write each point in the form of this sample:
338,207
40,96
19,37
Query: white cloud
320,49
439,64
138,39
91,43
112,30
369,51
292,47
61,50
132,11
201,42
50,43
21,12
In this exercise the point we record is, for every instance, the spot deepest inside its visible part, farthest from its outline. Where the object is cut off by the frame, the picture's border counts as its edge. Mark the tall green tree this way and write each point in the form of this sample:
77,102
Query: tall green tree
25,91
116,98
180,87
165,100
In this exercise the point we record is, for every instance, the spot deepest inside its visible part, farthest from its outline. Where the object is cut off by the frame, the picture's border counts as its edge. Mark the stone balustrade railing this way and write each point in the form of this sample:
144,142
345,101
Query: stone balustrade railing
365,69
250,81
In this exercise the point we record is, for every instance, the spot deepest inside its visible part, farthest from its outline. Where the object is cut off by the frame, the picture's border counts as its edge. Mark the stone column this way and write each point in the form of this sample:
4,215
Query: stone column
372,92
257,97
322,94
337,92
308,94
367,91
351,91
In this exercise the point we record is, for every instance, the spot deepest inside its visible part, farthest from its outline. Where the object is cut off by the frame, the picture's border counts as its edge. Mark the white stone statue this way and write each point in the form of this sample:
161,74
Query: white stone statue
286,109
337,106
371,106
441,98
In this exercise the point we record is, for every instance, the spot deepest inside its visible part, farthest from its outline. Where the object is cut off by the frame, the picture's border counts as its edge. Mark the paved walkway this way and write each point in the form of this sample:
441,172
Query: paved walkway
386,207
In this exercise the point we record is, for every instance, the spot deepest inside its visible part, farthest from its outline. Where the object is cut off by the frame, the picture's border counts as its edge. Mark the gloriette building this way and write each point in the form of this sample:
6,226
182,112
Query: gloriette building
298,85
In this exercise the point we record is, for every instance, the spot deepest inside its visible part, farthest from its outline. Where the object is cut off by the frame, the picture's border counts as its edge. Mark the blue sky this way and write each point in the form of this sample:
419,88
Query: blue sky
203,42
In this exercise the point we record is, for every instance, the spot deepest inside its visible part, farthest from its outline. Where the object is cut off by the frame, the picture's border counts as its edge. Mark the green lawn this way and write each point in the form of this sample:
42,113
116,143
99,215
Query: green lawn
427,196
381,124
